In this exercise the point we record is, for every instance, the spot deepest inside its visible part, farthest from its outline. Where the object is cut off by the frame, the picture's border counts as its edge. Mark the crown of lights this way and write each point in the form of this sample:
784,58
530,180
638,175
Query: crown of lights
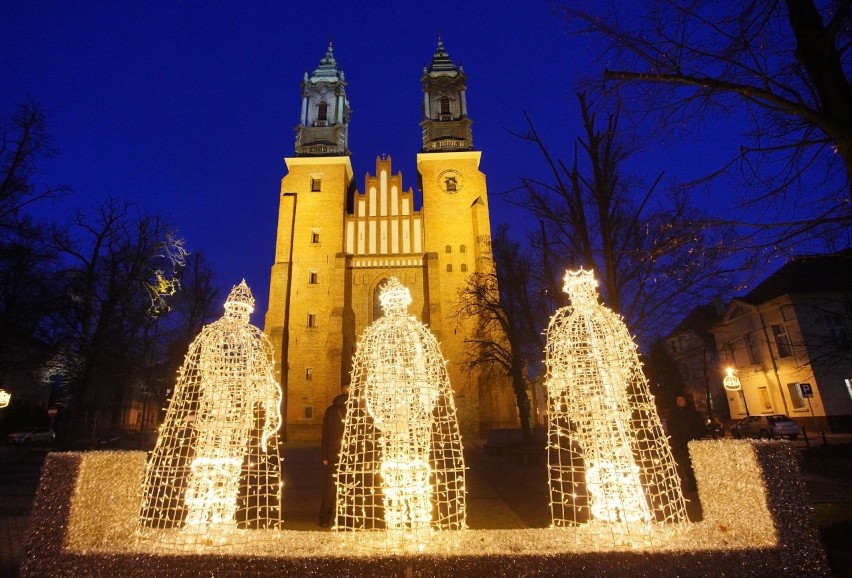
5,396
580,284
240,297
395,297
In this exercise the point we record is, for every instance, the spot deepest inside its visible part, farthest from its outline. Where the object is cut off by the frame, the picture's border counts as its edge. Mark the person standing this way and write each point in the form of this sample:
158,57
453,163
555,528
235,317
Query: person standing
684,425
332,436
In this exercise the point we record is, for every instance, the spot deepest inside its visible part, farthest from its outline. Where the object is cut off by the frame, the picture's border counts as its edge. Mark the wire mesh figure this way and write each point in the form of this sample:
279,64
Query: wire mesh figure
215,469
401,472
611,470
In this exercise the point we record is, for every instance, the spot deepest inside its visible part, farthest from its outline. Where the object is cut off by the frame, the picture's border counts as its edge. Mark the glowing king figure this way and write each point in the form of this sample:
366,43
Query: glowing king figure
226,378
596,385
400,399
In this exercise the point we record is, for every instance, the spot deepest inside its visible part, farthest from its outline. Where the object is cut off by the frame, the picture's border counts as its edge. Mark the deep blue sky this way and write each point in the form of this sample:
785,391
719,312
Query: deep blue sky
188,108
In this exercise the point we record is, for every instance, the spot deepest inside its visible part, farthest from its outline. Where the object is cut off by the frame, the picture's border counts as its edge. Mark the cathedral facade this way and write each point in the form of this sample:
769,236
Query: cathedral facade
337,245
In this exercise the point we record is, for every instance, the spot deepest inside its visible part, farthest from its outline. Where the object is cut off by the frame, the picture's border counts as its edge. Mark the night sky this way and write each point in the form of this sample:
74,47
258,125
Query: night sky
188,108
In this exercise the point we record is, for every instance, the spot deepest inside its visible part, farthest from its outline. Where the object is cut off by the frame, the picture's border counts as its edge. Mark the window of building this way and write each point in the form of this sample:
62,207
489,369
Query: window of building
309,373
751,348
462,249
449,268
315,236
314,278
796,395
782,341
464,267
765,400
445,105
849,387
312,320
836,331
316,184
322,111
377,304
449,249
309,412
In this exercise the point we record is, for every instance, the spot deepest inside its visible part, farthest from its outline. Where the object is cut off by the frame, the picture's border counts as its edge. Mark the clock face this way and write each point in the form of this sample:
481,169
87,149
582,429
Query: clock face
450,181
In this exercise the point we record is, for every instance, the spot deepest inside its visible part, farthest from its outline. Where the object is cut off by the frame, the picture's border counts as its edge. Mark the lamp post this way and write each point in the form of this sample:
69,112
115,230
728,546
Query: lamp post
732,383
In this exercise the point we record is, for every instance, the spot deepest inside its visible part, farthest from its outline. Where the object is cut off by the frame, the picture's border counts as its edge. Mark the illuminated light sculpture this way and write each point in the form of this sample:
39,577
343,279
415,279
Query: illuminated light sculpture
215,470
731,381
5,398
611,470
401,470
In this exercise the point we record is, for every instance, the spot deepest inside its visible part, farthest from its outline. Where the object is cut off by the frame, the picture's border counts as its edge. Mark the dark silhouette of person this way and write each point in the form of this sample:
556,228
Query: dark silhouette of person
332,437
684,425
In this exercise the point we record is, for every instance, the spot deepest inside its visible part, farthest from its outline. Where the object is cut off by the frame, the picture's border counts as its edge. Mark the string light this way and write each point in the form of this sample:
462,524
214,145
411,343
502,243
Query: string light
215,471
401,472
5,397
731,381
610,467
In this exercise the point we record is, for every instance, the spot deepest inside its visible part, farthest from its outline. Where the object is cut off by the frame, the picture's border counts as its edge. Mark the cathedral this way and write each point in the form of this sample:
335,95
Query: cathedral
336,246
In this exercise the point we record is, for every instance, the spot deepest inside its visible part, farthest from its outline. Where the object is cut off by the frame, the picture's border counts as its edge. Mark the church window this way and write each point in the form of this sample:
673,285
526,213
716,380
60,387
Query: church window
316,184
322,112
449,249
449,268
464,267
309,373
312,320
314,278
462,249
445,105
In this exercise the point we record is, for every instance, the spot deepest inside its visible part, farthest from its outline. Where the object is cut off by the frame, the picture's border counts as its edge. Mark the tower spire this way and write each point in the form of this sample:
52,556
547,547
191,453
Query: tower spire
324,123
446,126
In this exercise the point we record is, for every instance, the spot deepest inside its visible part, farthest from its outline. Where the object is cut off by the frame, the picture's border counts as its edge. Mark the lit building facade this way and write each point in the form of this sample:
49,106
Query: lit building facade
791,329
337,245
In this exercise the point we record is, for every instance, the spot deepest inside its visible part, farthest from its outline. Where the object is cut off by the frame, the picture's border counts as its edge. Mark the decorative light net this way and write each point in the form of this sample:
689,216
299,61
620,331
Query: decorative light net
400,479
215,474
611,470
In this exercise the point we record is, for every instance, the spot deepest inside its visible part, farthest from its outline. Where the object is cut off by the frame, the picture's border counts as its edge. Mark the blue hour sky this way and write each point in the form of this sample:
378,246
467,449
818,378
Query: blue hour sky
188,108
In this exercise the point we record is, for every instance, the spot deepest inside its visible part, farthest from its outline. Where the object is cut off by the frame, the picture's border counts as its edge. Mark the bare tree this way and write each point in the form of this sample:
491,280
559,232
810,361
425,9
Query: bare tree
784,63
24,145
509,320
654,256
121,269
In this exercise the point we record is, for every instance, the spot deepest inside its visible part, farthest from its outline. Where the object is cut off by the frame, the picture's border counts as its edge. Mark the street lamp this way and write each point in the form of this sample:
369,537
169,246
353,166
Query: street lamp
732,383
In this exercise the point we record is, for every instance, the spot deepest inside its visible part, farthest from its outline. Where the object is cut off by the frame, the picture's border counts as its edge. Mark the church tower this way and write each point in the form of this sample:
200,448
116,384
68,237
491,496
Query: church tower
337,246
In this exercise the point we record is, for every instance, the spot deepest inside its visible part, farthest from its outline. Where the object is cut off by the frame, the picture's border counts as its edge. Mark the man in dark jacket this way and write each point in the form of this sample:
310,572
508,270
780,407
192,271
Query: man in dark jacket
684,425
332,437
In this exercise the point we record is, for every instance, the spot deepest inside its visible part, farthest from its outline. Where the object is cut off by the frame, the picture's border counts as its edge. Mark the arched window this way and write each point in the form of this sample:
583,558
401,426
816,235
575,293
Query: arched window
449,268
462,249
464,267
322,112
445,105
449,249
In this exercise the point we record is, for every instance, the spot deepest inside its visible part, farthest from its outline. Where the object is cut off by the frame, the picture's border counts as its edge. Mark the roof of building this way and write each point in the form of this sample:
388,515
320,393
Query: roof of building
441,63
806,274
699,320
327,69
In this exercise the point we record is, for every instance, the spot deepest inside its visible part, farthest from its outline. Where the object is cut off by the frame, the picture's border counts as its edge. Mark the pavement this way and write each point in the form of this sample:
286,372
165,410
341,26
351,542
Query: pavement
502,494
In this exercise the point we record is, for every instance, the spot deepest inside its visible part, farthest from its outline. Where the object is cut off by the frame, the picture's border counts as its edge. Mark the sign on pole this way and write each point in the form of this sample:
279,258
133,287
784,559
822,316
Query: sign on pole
806,389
